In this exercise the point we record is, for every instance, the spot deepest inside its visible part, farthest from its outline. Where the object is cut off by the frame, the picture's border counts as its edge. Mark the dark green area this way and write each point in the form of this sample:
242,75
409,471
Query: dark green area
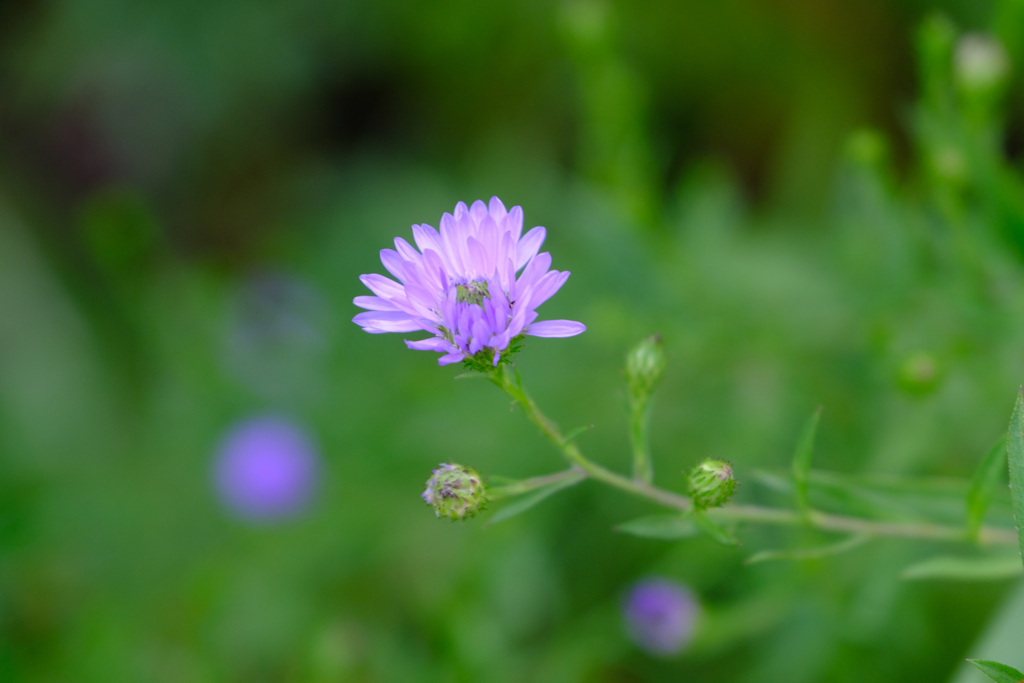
810,202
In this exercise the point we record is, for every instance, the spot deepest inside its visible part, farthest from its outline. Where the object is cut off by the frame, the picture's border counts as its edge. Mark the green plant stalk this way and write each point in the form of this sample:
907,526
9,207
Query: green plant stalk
582,467
639,419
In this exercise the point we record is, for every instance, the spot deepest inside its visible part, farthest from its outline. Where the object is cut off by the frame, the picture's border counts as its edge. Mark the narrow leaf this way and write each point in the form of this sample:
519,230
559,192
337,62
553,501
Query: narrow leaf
983,485
665,527
573,433
1015,459
528,501
713,529
497,481
1000,673
471,375
810,553
802,460
987,568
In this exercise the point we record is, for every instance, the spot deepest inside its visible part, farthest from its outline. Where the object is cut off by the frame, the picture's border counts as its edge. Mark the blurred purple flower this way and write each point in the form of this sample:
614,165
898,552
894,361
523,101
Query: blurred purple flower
267,468
461,285
660,616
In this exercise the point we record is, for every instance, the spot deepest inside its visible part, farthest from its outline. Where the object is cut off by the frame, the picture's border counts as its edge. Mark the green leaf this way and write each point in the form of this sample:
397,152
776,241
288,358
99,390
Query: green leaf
498,481
983,485
810,553
894,498
473,374
665,527
802,460
1000,673
713,529
528,501
1015,459
573,433
985,568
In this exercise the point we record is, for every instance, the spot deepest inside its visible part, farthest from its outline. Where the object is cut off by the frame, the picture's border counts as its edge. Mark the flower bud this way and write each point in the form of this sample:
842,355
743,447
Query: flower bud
455,491
919,374
711,484
645,364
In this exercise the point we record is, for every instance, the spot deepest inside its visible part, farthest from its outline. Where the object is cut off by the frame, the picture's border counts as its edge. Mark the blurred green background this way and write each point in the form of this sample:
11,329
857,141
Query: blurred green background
814,203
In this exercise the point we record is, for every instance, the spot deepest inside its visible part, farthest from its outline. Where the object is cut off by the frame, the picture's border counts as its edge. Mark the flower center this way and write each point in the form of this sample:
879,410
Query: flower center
472,292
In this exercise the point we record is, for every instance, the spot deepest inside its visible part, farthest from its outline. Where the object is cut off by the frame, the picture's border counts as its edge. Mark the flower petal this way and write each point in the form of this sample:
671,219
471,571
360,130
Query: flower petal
374,303
431,344
530,245
546,288
426,238
515,222
383,287
556,328
394,263
478,211
532,273
387,321
454,243
407,251
497,210
478,264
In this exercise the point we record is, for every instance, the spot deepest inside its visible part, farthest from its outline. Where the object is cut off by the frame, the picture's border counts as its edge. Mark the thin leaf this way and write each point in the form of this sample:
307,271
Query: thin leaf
1015,459
987,568
802,460
810,553
473,374
665,527
496,480
573,433
891,498
528,501
983,485
1000,673
713,529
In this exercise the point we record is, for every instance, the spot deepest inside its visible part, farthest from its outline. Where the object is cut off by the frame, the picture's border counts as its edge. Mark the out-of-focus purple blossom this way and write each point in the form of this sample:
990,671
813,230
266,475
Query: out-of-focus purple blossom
461,285
660,616
267,468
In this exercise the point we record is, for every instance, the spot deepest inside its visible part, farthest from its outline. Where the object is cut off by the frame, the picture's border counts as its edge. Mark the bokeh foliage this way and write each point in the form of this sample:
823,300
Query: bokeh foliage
800,197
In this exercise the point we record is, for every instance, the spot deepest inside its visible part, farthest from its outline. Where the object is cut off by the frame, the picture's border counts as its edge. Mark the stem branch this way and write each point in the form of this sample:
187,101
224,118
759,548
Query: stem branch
506,379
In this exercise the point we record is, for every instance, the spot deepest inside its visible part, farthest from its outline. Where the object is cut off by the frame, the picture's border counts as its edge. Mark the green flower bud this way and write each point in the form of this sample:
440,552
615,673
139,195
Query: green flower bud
711,484
455,491
645,365
919,374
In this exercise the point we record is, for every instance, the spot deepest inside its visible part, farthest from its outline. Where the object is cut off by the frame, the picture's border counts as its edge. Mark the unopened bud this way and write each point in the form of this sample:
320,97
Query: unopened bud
711,484
919,374
645,365
455,491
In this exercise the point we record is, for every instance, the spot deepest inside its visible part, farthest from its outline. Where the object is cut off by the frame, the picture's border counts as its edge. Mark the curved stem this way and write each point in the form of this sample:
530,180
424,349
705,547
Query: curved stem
508,381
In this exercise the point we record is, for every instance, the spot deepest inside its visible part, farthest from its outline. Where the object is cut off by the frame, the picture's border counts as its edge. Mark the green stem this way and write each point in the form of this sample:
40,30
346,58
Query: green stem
506,379
642,469
527,485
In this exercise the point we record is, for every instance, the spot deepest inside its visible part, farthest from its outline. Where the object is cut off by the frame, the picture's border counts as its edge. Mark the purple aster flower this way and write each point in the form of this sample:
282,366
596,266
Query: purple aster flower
266,468
660,616
461,286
